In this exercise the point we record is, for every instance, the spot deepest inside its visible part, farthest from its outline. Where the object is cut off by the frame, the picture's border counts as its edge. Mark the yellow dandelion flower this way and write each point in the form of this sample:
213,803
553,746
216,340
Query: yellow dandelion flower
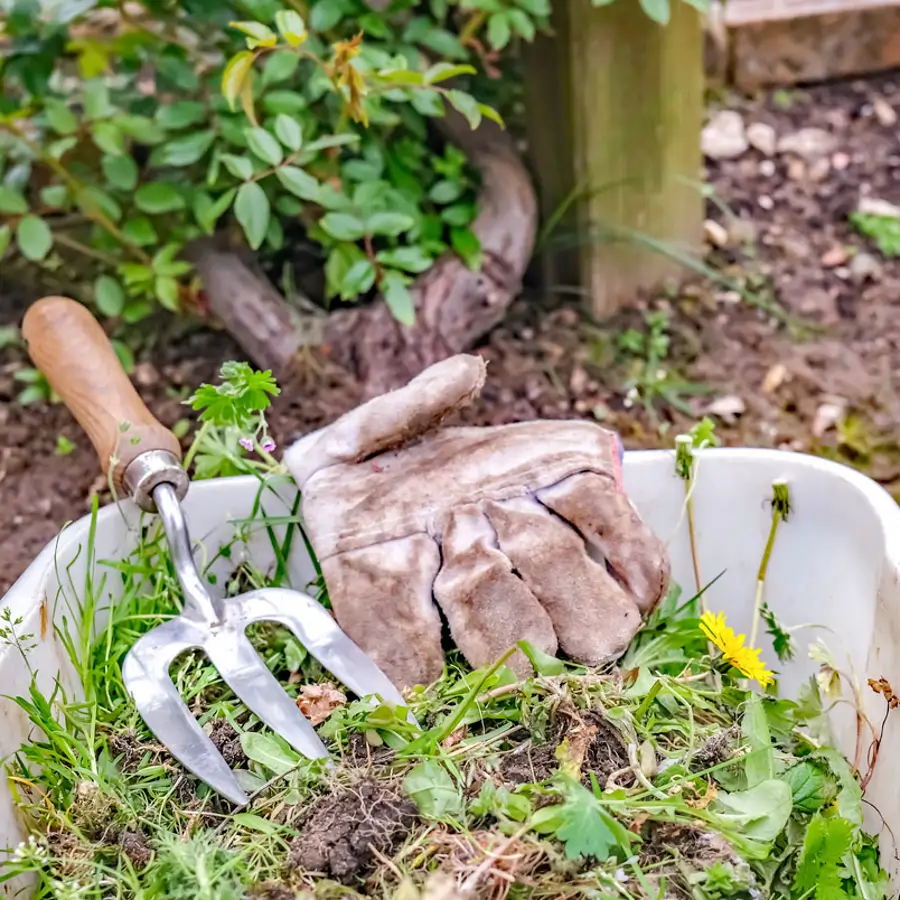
743,658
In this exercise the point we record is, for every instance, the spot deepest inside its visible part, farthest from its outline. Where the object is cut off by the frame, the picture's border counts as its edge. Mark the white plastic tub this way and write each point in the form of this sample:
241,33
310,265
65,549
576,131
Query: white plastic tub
836,563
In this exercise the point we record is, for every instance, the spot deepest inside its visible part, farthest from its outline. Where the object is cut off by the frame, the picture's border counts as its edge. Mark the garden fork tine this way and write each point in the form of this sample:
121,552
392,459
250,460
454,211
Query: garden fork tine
143,458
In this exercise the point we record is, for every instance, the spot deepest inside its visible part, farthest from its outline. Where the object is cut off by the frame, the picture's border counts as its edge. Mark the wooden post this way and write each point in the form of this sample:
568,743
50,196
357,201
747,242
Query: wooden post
615,108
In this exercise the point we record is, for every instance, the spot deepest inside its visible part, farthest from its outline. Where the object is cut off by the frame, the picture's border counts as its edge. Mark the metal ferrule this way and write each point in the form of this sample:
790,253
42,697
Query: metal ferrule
151,469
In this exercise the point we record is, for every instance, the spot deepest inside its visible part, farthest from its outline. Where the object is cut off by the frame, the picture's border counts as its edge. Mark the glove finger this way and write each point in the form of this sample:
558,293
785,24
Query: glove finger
381,596
488,608
594,619
609,523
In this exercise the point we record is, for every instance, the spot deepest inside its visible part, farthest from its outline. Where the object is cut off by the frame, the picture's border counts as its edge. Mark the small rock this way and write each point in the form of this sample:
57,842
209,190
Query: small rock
727,408
865,267
796,169
775,377
826,417
767,168
820,169
884,112
724,136
145,374
876,207
742,231
766,202
762,137
807,143
834,256
716,234
840,161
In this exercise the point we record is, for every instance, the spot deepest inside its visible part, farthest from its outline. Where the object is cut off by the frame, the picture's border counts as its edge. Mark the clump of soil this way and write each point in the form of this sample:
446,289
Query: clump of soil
272,890
136,847
341,832
717,749
686,842
228,742
361,754
605,754
127,749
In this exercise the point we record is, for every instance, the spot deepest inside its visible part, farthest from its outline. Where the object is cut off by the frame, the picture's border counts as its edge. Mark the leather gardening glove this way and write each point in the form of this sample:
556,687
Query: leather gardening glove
506,528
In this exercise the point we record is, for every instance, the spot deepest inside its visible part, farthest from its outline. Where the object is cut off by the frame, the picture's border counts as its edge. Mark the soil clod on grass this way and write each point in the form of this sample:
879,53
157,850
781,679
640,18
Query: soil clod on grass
136,847
228,742
342,831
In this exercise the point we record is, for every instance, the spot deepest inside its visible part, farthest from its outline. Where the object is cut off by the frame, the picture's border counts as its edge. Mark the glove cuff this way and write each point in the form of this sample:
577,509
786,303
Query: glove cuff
391,420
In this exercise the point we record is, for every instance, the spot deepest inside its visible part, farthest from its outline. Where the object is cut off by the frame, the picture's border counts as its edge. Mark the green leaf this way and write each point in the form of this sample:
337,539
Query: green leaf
401,76
658,10
96,100
255,823
235,74
427,103
109,296
583,825
258,35
342,226
239,166
459,215
289,132
700,5
124,354
499,31
544,663
34,238
141,129
339,261
325,15
466,105
521,24
811,786
398,298
291,26
359,278
535,7
268,752
109,138
252,210
5,240
759,763
759,814
446,191
166,290
159,197
93,201
60,118
12,201
409,259
278,67
467,246
432,789
819,869
331,140
443,70
298,182
264,145
287,102
185,151
140,231
120,171
174,116
390,224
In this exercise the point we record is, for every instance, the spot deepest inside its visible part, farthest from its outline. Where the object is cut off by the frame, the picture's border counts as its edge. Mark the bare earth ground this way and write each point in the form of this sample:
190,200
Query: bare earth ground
804,357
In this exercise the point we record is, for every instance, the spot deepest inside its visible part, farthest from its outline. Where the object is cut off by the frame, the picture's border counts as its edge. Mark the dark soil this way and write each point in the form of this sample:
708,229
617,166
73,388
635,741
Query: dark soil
551,363
340,833
135,846
228,742
604,753
271,890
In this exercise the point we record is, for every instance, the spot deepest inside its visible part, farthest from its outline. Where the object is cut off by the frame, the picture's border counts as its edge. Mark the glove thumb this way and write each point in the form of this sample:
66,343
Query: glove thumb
390,420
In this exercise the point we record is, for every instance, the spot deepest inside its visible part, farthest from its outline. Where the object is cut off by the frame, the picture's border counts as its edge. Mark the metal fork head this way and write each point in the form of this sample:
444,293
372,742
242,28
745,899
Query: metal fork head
146,676
218,629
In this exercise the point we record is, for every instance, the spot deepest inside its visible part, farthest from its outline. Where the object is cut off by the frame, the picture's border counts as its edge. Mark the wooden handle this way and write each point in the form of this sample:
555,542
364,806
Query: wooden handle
68,345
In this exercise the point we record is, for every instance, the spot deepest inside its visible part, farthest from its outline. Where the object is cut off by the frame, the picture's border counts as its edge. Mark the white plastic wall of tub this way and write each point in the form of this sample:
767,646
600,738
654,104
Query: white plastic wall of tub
836,565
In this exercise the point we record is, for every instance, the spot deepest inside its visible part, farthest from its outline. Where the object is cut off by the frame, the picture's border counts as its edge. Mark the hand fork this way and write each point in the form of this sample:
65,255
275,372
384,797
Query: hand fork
143,458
